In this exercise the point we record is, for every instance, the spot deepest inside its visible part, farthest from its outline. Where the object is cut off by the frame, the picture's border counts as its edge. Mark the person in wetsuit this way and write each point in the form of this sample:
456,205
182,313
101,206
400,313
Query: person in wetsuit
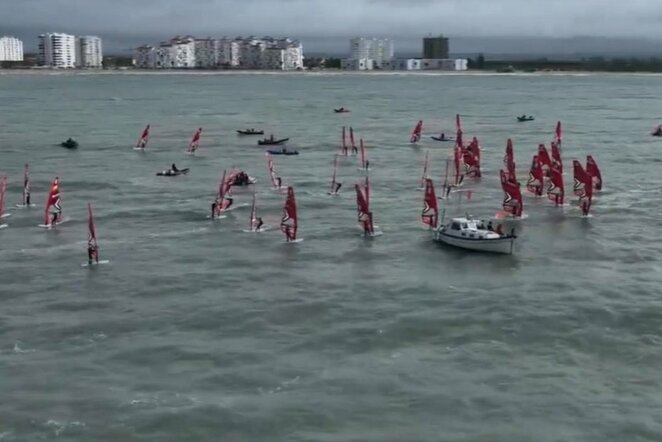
279,180
174,168
213,209
92,254
259,224
337,189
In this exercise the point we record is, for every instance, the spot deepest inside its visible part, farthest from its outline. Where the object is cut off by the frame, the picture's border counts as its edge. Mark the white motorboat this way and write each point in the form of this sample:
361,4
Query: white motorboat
471,234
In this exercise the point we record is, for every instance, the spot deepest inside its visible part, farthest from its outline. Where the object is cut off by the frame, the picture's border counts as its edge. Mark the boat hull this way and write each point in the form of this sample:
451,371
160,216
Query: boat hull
272,143
503,245
259,132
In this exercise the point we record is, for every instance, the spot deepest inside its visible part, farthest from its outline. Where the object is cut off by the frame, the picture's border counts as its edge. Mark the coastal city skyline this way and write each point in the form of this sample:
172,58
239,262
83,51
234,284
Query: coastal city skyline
476,26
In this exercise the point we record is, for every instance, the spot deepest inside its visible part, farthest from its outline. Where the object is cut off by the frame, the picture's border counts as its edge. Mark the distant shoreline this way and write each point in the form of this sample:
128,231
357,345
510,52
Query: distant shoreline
320,72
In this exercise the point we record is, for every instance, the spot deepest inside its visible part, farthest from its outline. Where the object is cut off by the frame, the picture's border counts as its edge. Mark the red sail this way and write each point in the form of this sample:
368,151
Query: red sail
512,202
458,123
364,158
416,133
253,216
343,148
579,176
53,201
458,139
351,138
471,158
594,171
288,224
457,162
3,192
558,135
193,145
555,187
545,160
556,157
535,181
425,169
142,141
430,214
583,187
222,202
509,162
272,172
26,185
363,207
333,178
91,233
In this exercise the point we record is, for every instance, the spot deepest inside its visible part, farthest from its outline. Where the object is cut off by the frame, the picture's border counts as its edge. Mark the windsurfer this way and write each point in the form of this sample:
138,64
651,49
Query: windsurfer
367,224
213,209
367,164
27,197
442,137
355,150
337,189
279,182
91,253
259,224
173,168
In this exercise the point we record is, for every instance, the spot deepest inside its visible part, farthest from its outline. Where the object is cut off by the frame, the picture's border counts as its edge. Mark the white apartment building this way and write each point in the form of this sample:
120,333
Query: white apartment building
182,52
89,53
379,50
57,50
144,57
206,52
11,49
249,53
228,52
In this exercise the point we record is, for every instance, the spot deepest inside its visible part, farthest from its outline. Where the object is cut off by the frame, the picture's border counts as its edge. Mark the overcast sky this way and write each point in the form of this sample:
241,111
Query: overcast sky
127,23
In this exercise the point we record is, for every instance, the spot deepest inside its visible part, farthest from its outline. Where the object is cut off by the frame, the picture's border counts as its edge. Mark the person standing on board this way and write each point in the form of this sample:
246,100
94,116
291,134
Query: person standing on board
91,253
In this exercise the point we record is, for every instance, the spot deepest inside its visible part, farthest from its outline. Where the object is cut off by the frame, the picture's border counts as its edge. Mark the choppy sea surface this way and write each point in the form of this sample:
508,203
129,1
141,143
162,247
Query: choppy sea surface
199,331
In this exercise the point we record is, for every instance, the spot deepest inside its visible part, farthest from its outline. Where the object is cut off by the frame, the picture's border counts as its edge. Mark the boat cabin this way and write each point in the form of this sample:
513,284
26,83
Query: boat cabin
469,229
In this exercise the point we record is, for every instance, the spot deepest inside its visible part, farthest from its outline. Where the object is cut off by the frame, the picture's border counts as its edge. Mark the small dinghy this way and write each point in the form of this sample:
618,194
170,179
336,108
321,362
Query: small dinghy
283,151
524,118
250,132
443,139
470,234
271,141
342,110
69,143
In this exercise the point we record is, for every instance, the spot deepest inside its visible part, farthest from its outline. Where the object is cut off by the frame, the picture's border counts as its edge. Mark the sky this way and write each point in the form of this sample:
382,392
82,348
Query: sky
124,24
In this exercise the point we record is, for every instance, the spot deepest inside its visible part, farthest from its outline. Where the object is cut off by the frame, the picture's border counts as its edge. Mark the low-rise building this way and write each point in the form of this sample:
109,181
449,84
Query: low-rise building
11,49
354,64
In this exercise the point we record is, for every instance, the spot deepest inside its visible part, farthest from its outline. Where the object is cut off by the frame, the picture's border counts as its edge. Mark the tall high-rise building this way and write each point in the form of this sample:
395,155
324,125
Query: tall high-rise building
435,47
57,50
89,53
380,50
11,49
